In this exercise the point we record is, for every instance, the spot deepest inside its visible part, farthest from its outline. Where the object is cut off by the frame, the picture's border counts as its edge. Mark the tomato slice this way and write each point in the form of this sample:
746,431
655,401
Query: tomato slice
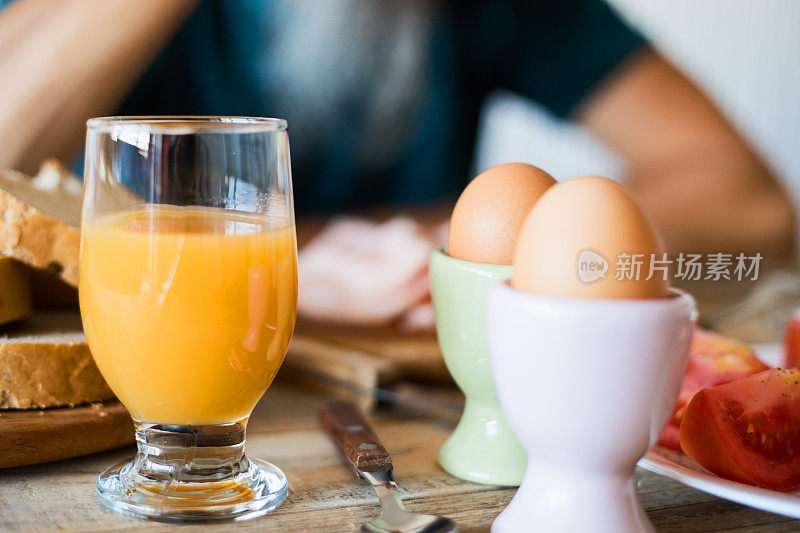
748,430
791,342
713,360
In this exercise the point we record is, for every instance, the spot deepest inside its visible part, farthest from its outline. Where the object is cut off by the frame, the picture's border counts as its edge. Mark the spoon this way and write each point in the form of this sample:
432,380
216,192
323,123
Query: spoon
347,426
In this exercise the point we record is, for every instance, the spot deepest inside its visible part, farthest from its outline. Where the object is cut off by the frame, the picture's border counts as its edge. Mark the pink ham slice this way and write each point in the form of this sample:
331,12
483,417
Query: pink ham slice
358,271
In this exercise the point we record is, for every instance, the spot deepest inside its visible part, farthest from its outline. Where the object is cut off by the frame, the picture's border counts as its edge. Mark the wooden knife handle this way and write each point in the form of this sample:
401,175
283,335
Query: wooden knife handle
344,422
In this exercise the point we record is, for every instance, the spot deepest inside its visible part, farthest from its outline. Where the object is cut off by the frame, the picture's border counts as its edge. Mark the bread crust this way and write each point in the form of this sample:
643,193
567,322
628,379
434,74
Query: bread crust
30,236
49,375
45,362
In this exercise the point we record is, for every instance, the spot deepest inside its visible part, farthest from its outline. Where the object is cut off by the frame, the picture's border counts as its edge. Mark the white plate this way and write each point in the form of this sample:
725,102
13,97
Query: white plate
681,468
769,352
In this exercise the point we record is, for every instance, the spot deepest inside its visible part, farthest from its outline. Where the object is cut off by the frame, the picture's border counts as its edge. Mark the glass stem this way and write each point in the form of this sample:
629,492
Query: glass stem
196,453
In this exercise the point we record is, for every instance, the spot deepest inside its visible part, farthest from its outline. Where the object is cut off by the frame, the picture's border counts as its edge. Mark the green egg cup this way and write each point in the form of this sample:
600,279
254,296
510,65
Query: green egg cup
482,448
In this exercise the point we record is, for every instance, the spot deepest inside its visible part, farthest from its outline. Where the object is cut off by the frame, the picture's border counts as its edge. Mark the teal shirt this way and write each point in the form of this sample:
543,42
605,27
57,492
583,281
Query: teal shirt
369,125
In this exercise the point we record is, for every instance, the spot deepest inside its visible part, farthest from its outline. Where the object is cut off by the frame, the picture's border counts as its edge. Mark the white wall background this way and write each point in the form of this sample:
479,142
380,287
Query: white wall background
744,53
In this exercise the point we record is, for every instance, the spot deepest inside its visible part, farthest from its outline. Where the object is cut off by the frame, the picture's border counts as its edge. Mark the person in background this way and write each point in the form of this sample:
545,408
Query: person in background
383,96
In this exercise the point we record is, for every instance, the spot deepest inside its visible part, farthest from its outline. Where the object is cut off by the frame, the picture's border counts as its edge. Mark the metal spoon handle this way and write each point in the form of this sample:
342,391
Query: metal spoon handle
344,422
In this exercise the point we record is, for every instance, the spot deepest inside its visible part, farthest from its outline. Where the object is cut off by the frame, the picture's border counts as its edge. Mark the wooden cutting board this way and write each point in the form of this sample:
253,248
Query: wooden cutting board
416,355
40,436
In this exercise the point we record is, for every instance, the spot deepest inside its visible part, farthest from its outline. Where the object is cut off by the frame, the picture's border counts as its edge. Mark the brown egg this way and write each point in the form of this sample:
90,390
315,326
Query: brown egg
490,212
570,244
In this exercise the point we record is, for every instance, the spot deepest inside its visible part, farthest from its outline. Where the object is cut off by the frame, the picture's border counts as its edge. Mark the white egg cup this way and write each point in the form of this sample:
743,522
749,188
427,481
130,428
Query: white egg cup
587,385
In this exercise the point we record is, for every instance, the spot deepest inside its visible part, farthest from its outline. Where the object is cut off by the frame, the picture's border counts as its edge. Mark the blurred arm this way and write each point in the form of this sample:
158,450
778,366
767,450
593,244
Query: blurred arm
704,188
63,61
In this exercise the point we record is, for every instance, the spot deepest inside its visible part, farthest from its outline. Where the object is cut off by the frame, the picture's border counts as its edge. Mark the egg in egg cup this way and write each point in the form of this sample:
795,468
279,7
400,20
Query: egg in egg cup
482,236
587,368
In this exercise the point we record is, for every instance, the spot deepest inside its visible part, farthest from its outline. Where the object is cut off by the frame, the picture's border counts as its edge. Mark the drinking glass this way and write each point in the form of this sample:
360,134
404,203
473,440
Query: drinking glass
188,295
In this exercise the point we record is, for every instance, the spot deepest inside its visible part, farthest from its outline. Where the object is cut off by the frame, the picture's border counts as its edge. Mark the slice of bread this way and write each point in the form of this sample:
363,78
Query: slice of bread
45,362
40,219
15,292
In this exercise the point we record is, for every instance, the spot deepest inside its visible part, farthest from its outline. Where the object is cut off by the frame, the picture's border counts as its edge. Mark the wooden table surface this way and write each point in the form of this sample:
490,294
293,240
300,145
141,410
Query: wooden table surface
326,495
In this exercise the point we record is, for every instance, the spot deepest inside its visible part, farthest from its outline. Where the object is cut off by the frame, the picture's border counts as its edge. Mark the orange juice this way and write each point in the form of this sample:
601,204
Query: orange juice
188,311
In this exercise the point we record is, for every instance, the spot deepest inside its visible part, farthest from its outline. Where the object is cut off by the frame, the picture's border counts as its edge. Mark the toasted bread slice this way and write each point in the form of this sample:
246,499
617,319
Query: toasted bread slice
45,362
15,291
41,219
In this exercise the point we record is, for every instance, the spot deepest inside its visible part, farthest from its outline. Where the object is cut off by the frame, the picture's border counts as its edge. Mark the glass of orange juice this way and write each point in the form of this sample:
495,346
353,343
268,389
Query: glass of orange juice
188,295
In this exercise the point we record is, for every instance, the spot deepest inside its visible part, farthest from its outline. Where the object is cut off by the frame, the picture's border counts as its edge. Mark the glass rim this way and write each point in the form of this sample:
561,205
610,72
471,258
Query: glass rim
178,124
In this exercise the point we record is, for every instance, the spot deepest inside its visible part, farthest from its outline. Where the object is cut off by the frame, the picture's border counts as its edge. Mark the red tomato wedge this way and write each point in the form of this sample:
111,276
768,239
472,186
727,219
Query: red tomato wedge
748,430
713,360
791,342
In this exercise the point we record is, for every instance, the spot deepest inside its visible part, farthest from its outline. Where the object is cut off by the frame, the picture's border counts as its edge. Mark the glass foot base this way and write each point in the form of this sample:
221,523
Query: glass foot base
252,492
